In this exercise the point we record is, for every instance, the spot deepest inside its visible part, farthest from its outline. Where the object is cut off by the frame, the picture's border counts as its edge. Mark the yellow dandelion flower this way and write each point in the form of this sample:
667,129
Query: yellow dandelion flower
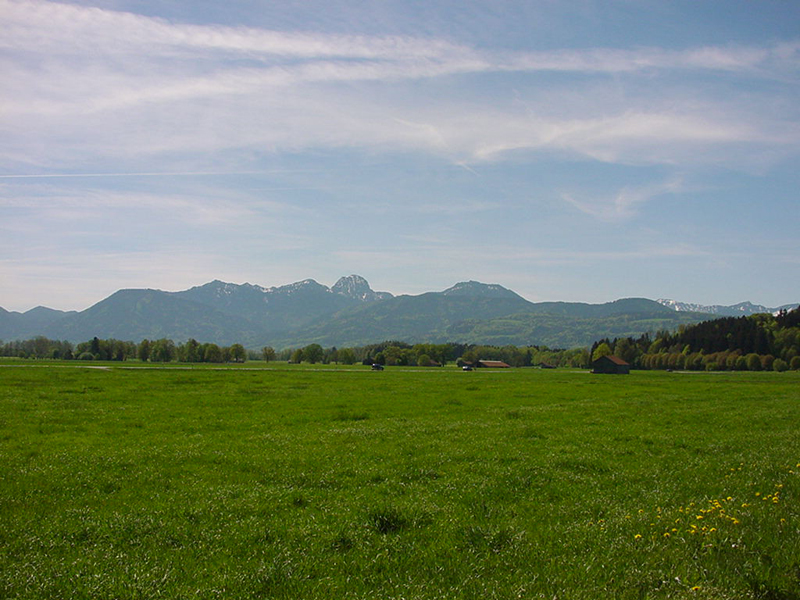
696,588
638,536
735,521
699,517
666,534
712,530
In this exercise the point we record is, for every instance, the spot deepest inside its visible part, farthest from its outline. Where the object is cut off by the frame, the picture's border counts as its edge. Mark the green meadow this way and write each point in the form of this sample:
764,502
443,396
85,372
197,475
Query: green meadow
292,482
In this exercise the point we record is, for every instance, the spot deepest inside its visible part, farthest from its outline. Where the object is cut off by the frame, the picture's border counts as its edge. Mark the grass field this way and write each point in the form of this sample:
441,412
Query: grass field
433,483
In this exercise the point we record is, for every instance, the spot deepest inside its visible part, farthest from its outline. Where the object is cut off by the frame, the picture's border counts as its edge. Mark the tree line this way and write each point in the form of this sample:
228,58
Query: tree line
761,342
161,350
392,353
754,343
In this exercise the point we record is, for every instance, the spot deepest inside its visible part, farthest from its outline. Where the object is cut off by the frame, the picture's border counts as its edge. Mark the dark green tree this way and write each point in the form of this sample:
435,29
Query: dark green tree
212,354
347,356
313,353
238,353
163,350
144,350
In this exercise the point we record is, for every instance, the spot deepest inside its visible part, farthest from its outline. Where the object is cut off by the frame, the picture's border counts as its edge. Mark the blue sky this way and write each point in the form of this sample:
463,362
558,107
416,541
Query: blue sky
575,151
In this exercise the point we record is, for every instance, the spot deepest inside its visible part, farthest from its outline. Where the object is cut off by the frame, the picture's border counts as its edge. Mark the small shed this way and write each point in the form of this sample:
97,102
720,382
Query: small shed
611,365
493,364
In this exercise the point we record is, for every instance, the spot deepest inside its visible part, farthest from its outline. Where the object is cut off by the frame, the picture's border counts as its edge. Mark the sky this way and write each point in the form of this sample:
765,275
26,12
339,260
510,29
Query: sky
568,150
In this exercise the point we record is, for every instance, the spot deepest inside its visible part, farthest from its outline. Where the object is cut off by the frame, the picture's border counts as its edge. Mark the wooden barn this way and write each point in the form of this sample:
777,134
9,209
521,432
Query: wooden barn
492,364
611,365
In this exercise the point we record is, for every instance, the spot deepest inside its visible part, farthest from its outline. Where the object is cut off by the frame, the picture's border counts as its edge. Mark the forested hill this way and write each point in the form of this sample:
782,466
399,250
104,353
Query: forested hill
347,314
756,342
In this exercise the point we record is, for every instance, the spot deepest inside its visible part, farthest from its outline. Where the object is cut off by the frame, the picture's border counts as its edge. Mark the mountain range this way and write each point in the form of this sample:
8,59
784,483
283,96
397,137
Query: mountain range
351,313
735,310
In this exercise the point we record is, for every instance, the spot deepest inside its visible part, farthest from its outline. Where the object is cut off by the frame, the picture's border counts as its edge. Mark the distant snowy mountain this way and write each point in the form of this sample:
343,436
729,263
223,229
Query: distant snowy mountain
735,310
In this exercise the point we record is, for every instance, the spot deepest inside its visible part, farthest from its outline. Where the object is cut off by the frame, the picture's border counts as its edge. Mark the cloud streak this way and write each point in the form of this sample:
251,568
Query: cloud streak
625,204
297,153
162,89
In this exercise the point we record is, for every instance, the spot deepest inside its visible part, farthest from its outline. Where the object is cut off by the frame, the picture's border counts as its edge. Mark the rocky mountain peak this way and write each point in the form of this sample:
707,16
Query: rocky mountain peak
355,286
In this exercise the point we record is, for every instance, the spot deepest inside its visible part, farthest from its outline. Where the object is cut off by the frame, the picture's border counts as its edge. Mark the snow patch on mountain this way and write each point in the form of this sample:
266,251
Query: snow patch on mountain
734,310
355,286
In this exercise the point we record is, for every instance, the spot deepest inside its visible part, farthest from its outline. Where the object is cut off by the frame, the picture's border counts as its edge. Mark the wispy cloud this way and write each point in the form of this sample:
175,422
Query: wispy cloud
91,85
625,203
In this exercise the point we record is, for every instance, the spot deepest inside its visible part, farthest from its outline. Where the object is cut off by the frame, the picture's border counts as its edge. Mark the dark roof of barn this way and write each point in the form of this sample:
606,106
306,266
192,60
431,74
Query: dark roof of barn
615,360
494,363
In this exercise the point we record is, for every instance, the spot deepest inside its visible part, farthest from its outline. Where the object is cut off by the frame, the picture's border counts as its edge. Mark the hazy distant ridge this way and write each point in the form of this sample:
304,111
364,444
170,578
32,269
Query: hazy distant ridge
351,313
734,310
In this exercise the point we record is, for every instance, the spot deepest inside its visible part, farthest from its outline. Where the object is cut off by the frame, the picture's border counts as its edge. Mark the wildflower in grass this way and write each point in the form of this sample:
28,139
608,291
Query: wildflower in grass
638,536
666,534
696,588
